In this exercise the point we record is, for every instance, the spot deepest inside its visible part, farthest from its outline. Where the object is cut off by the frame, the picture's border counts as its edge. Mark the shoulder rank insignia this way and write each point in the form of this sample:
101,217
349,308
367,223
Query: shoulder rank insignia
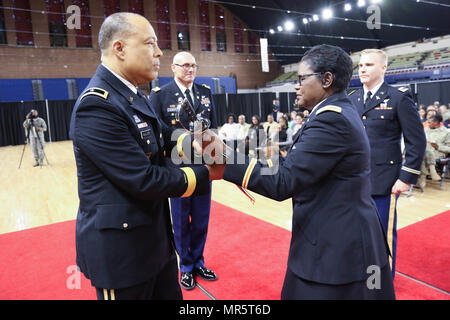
329,108
95,91
208,87
351,92
156,89
403,89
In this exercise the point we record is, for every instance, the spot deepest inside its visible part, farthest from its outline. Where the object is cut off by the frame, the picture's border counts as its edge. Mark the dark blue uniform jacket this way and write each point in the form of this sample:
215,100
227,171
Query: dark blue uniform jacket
389,114
123,229
336,232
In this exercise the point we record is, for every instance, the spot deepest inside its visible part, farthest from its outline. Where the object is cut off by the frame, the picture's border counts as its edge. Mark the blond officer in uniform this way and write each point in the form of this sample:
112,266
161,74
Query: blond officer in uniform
388,113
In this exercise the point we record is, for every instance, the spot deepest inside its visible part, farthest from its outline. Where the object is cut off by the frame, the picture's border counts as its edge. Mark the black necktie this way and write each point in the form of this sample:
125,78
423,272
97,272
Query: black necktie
368,96
187,93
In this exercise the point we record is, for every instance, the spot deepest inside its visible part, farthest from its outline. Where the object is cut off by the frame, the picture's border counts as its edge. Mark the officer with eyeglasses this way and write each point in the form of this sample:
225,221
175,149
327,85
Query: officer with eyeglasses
190,216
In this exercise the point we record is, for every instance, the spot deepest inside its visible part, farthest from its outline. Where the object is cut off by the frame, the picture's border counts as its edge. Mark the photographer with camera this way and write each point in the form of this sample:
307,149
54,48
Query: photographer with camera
35,128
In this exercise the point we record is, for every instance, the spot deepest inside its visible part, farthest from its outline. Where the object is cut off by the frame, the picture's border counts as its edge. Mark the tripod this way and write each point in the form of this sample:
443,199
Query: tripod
27,141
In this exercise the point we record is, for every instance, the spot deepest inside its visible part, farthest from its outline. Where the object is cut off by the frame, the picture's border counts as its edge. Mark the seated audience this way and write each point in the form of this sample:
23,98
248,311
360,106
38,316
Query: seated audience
438,147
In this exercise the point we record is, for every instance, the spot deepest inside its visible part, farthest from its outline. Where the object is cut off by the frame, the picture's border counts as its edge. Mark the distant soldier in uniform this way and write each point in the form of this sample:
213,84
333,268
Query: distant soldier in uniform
438,146
35,128
124,238
388,113
190,215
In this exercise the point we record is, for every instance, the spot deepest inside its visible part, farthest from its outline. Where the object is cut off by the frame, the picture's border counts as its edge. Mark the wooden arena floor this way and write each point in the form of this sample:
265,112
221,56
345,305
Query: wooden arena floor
34,196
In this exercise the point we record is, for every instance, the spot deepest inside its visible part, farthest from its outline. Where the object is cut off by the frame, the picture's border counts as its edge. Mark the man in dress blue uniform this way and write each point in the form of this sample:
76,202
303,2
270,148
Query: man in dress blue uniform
124,238
388,113
190,215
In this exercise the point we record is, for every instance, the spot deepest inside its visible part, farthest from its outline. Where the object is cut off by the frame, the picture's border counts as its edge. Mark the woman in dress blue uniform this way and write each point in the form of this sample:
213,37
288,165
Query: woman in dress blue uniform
338,249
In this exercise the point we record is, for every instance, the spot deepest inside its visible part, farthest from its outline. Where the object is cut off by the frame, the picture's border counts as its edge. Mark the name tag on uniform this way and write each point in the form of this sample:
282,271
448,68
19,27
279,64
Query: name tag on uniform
142,125
146,134
172,108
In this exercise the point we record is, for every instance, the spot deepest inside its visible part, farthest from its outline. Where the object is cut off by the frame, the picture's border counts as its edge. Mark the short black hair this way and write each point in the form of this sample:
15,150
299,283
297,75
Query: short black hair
326,58
437,117
231,115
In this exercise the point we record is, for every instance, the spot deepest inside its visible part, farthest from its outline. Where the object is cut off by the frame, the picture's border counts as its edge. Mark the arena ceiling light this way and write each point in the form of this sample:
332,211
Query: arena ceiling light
327,13
305,21
289,25
280,28
361,3
271,31
347,7
315,17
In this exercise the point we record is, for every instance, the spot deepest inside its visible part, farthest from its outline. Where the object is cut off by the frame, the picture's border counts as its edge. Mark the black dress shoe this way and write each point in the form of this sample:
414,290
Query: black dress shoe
187,280
206,274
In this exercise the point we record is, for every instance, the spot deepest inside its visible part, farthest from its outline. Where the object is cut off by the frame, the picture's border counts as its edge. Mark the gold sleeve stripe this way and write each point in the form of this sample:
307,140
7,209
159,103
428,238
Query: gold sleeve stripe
270,163
191,181
411,170
180,144
248,173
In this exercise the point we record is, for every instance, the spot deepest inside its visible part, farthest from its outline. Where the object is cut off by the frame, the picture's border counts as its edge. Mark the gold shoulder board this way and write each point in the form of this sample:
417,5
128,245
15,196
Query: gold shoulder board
95,91
403,89
351,92
206,86
156,89
329,108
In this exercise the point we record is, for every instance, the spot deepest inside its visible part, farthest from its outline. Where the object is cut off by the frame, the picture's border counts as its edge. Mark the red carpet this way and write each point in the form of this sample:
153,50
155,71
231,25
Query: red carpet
423,251
407,289
249,256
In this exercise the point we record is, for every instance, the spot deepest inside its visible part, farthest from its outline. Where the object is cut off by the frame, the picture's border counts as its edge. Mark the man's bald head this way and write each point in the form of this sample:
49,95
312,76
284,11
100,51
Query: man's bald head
184,68
182,56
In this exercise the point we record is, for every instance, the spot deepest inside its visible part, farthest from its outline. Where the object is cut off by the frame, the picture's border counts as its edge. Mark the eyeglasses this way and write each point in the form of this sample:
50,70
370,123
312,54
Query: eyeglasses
302,77
187,66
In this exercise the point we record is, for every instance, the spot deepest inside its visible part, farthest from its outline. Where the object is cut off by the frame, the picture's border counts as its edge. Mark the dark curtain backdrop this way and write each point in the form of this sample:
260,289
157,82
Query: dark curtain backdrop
11,124
427,93
60,112
266,104
246,104
220,103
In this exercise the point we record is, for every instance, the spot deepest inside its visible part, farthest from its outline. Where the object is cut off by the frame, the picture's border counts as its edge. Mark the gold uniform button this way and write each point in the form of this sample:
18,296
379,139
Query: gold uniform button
392,162
125,225
382,117
364,117
148,141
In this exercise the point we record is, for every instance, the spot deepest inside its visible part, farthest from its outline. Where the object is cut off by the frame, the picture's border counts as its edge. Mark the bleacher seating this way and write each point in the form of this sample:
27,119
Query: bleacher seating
419,65
284,78
438,56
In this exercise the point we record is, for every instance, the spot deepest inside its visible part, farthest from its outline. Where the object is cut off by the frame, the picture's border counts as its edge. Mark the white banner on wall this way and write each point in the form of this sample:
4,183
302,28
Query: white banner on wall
264,55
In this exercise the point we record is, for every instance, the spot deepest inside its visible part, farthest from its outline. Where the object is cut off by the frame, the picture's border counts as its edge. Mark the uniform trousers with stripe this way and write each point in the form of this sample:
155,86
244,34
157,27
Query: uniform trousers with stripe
163,286
190,218
387,211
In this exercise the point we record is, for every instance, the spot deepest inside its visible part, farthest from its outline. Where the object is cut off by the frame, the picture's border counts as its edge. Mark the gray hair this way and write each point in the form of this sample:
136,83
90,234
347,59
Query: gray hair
115,26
